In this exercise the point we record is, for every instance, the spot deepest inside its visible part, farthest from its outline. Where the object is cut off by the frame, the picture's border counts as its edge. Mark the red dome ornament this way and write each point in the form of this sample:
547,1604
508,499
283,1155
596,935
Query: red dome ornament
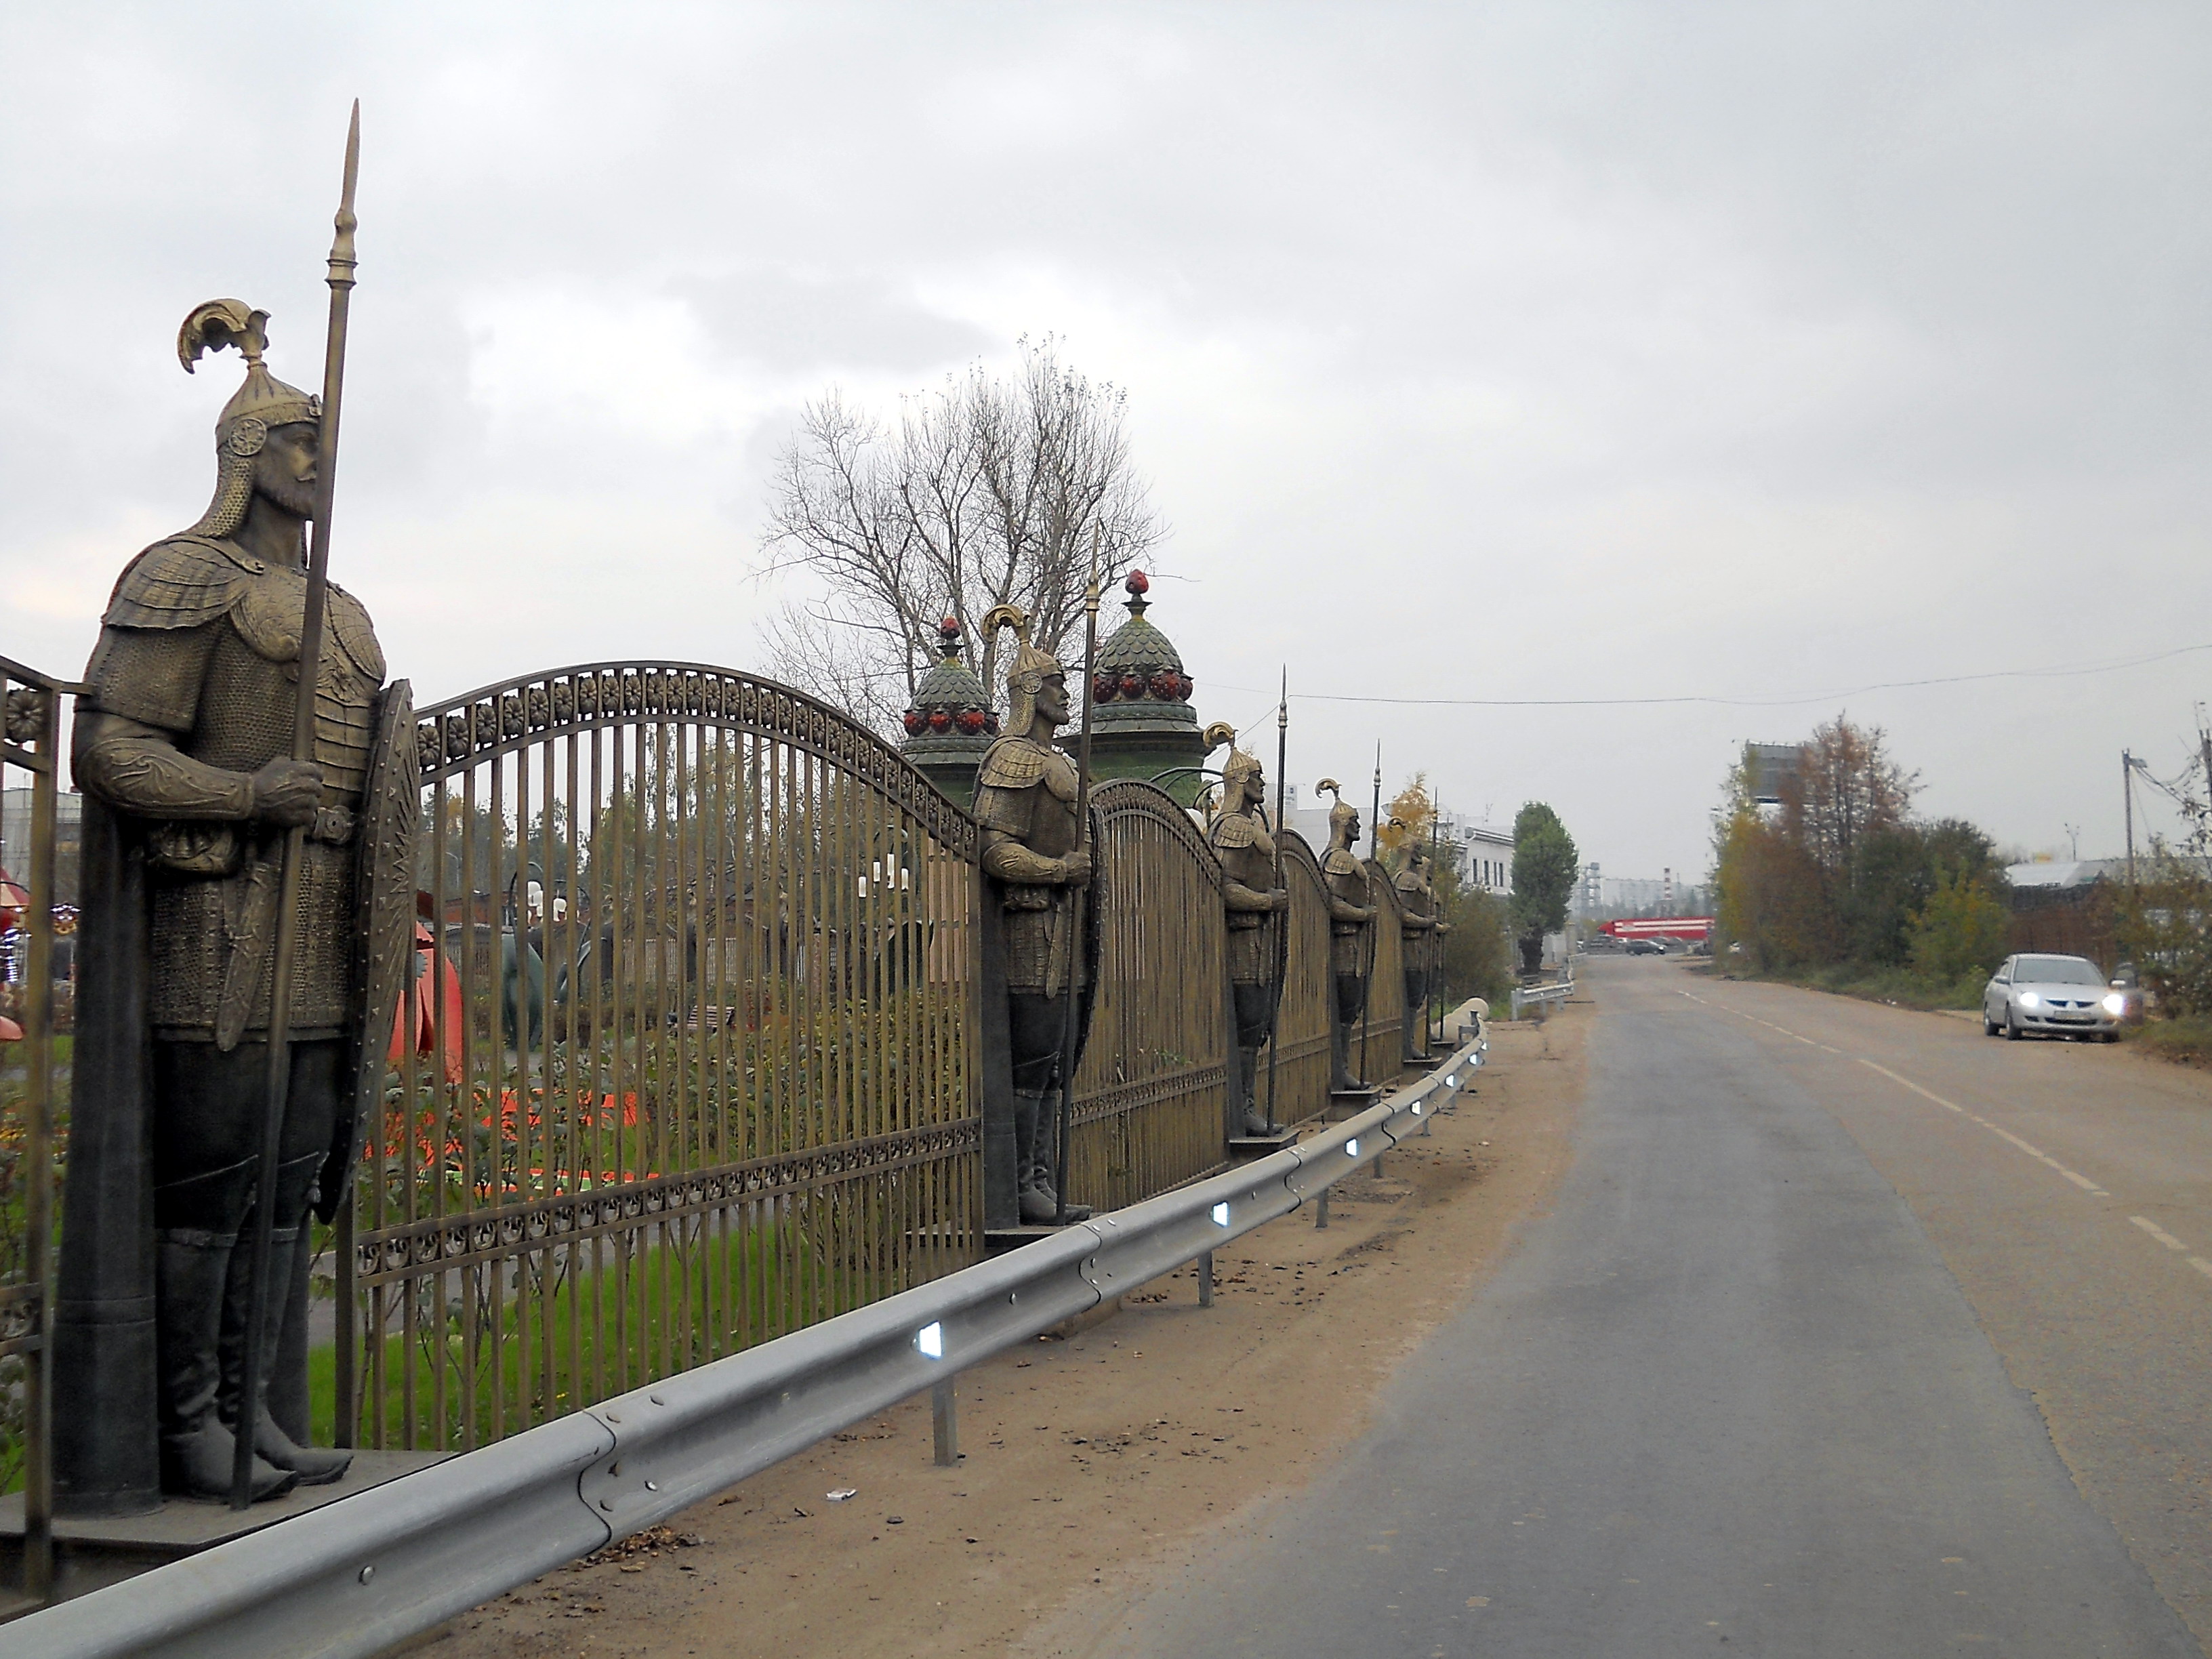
969,720
915,722
1137,582
939,720
1132,686
1105,687
1164,684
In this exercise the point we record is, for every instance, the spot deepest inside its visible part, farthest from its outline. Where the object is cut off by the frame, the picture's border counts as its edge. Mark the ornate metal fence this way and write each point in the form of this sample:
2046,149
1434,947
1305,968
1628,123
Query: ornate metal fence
1151,1096
1300,1073
29,1144
689,1060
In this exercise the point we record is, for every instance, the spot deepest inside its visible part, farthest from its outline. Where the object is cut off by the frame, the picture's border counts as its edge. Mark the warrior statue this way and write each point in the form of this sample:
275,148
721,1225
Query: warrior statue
1240,837
1422,933
1351,918
1037,854
182,747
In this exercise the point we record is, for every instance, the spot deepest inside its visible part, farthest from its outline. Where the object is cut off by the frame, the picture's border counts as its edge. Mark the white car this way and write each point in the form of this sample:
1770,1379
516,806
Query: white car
2065,996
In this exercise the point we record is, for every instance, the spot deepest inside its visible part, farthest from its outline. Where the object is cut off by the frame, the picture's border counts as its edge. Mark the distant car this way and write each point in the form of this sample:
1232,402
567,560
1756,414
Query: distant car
2063,996
1646,947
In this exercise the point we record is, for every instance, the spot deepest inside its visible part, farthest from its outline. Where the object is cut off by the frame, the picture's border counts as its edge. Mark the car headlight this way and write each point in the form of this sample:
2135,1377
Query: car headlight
2115,1004
2029,999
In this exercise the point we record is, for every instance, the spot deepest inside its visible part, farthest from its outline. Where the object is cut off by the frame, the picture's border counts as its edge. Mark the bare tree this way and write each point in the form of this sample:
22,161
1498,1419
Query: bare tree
1843,788
987,491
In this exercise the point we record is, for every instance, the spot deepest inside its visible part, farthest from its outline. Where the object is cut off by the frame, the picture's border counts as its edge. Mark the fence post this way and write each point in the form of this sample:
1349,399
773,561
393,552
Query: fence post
1206,1280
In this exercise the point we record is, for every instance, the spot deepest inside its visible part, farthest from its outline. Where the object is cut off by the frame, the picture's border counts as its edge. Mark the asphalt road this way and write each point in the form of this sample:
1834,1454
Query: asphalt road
1851,1332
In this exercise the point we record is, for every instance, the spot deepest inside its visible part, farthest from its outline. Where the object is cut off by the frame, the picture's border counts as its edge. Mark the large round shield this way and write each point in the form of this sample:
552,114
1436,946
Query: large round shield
384,887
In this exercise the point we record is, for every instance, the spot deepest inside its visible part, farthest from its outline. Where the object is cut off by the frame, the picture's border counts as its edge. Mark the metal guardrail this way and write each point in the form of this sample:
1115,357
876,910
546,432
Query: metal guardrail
360,1575
1530,995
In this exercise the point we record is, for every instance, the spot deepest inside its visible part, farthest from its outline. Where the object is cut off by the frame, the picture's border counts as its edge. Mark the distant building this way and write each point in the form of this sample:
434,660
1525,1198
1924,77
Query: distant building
15,838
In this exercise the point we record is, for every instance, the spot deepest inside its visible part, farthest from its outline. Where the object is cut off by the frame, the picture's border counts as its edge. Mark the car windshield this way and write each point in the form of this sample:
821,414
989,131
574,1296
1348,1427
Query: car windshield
2058,970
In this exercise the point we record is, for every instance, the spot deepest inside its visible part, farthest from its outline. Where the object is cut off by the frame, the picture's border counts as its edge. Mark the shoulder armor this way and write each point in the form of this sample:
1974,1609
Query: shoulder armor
182,582
1232,830
1337,862
1406,882
356,636
1012,763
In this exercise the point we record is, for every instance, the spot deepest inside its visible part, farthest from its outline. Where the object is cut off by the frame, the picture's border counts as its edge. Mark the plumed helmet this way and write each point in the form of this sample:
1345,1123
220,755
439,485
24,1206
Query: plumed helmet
1031,668
1240,768
263,402
1341,815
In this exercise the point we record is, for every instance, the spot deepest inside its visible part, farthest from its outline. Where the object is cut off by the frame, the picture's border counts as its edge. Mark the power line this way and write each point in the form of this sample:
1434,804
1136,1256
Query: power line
1741,702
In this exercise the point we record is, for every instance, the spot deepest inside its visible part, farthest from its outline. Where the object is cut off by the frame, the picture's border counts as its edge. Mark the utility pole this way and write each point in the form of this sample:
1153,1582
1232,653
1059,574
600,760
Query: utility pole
2128,807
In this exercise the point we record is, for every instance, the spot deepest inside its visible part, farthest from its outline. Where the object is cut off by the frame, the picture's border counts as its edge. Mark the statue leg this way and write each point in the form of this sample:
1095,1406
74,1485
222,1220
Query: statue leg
1254,1002
1415,1017
1350,998
1037,1023
203,1192
310,1104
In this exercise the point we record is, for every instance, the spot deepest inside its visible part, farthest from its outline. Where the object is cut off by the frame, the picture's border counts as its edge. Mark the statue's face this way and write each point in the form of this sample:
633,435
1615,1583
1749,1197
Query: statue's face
1352,829
1052,699
1256,787
284,471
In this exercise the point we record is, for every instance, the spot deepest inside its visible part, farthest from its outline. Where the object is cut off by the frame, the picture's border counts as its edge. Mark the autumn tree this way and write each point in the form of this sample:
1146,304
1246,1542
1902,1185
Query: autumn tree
1545,866
986,491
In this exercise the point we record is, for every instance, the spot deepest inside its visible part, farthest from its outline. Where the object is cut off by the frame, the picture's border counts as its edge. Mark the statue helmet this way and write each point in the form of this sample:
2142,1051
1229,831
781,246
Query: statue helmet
1240,766
1340,816
1031,668
263,402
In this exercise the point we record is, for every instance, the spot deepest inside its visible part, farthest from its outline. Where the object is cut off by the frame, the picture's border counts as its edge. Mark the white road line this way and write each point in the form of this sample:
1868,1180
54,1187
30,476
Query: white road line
2035,1153
2201,1265
2158,1232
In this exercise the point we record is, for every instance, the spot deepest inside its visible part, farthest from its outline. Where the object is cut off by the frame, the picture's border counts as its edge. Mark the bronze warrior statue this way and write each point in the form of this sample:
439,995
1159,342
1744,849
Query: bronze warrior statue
1039,857
182,747
1422,935
1351,918
1240,837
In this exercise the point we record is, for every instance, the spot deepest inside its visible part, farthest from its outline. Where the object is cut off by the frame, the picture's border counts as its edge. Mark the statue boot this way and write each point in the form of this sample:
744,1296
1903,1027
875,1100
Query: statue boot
313,1466
1048,1165
1037,1208
1257,1123
196,1449
1350,1006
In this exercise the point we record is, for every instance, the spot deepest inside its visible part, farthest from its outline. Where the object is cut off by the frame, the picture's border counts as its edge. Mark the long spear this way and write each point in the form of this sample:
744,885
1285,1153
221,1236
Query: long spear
1435,961
1374,856
1072,1029
1281,922
287,907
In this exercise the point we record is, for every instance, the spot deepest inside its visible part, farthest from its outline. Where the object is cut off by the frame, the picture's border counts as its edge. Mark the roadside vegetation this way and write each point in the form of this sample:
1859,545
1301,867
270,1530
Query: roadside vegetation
1838,886
1478,952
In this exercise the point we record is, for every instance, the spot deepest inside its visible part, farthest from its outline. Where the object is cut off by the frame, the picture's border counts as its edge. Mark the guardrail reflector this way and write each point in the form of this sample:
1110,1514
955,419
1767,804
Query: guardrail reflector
930,1338
1221,1215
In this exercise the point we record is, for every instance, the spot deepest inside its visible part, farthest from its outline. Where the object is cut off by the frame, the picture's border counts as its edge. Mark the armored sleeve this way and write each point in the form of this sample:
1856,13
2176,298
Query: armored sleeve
1009,860
151,675
145,694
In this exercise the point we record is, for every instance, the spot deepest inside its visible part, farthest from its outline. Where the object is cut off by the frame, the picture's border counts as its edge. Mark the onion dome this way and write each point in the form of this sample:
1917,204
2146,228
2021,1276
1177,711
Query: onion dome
1139,685
950,724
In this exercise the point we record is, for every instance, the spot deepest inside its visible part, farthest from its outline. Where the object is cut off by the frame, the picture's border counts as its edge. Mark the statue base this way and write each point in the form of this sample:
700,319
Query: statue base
91,1554
1260,1145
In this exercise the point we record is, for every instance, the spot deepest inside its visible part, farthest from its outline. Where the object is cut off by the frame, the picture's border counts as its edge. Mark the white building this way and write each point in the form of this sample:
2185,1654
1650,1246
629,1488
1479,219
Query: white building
1484,853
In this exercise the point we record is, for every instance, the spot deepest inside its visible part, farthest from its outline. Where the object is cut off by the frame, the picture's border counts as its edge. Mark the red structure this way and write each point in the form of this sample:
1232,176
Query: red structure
1681,927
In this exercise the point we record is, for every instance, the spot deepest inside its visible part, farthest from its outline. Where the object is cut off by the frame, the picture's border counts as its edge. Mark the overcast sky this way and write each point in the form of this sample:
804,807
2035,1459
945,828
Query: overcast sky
1485,351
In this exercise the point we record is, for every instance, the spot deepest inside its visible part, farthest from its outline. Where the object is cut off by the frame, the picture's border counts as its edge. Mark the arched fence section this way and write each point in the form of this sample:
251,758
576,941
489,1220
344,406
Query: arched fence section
1151,1106
688,1061
1384,1026
1298,1078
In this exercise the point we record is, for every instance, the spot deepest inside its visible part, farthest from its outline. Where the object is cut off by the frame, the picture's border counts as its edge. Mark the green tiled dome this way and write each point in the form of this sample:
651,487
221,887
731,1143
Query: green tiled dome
1139,685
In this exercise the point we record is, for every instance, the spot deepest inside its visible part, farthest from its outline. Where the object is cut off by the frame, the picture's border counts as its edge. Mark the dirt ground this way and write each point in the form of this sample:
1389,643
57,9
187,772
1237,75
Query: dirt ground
1090,1463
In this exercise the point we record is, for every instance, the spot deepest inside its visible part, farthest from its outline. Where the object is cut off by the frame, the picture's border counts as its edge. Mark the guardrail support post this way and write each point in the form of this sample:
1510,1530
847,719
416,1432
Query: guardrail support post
1206,1280
1321,1210
945,1423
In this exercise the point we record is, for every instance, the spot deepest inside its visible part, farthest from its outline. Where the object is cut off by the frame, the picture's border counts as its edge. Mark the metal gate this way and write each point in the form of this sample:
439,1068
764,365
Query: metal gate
688,1060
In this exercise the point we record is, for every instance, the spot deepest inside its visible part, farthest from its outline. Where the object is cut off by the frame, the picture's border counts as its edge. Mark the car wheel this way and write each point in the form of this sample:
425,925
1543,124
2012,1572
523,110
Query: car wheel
2011,1026
1989,1025
2111,1037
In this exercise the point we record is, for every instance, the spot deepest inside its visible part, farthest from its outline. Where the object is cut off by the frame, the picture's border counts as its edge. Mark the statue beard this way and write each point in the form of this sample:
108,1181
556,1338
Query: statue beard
289,493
